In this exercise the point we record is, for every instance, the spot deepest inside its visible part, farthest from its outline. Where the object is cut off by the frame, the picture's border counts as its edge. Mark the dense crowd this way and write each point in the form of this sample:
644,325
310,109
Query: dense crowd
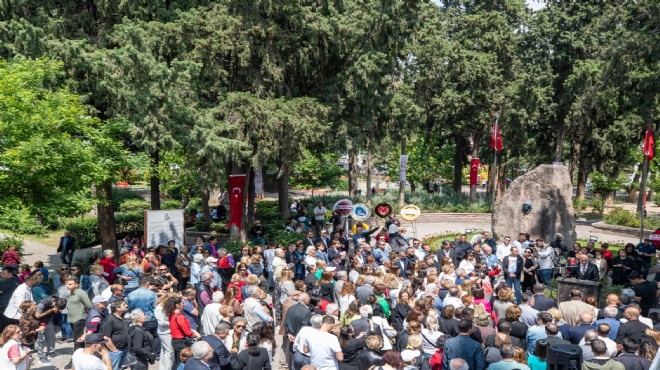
368,299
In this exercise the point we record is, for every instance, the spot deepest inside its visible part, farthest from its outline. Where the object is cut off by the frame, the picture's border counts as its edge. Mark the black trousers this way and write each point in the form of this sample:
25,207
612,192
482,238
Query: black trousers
78,329
177,345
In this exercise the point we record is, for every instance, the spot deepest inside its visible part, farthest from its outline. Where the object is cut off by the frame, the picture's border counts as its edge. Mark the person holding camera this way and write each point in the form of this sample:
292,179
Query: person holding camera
46,310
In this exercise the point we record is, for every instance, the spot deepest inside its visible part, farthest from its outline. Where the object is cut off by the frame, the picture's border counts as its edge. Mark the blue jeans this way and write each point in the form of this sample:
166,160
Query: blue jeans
546,276
115,358
514,283
67,332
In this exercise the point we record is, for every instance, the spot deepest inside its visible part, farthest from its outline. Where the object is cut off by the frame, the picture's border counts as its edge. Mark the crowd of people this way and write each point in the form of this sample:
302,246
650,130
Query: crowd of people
366,299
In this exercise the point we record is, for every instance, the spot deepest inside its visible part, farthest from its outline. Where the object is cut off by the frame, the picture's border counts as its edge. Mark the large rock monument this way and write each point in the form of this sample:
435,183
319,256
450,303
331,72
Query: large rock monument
539,203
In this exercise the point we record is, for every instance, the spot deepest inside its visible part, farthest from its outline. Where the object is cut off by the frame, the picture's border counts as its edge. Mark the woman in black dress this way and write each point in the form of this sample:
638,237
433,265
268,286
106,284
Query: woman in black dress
351,347
621,267
530,265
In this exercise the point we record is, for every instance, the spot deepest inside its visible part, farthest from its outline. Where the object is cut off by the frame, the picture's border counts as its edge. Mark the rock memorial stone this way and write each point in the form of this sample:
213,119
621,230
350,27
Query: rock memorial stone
539,203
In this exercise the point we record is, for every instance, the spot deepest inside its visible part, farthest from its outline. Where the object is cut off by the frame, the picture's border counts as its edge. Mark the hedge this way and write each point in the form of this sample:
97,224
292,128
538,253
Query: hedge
87,233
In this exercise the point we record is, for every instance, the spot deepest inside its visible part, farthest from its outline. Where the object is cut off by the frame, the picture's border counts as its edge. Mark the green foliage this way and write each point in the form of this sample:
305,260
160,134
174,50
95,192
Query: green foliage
171,204
602,184
579,205
598,204
316,172
120,196
131,205
622,217
8,241
87,233
48,155
15,216
233,247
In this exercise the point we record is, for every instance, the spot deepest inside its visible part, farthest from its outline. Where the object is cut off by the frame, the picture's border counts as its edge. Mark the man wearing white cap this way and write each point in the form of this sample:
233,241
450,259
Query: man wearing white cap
95,316
410,358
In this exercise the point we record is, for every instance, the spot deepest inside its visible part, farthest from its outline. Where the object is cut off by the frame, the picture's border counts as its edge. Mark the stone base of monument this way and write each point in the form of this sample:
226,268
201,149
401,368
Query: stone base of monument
565,285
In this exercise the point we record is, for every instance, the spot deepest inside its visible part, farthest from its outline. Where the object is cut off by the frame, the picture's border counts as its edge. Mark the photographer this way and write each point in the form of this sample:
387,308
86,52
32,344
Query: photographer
166,278
47,308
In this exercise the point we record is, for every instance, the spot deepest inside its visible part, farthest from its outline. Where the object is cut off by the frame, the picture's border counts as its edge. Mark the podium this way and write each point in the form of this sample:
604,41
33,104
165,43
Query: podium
565,285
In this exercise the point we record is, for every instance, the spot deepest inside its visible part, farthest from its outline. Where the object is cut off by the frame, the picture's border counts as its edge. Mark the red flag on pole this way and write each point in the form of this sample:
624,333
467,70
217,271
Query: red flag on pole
649,144
496,137
474,171
236,185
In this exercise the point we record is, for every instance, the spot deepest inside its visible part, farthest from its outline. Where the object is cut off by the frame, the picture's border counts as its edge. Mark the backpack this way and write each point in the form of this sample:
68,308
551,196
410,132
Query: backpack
316,292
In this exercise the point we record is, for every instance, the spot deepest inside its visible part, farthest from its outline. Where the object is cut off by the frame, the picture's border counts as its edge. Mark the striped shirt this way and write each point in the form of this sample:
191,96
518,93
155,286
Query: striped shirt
21,294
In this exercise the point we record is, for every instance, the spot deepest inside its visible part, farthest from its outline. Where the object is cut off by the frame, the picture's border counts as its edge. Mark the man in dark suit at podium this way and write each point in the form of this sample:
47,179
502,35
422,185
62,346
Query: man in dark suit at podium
584,270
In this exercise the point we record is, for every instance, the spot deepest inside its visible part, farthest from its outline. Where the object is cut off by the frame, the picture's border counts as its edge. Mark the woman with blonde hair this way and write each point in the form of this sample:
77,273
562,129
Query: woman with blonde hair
430,334
503,301
483,322
448,272
96,280
255,268
13,356
237,282
519,355
393,284
129,273
231,300
310,256
346,298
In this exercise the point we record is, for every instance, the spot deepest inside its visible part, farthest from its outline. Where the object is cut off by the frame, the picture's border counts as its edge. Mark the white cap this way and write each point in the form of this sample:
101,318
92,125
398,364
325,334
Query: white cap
409,355
330,269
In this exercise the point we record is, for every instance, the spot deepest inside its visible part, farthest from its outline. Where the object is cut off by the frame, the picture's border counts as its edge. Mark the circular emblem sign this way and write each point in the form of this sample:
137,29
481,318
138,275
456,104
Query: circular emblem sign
383,210
655,238
360,212
410,212
343,206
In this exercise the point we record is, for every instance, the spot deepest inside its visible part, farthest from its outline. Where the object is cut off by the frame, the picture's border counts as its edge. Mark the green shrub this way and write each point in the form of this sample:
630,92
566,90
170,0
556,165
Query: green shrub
131,205
171,204
598,205
8,241
622,217
119,196
15,216
87,234
579,205
233,247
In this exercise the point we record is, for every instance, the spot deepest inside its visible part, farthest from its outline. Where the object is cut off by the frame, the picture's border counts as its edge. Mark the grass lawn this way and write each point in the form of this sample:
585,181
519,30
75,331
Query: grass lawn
51,238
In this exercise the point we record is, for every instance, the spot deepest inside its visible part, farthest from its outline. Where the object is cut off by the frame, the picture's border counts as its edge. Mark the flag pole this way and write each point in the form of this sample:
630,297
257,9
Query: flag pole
642,195
494,191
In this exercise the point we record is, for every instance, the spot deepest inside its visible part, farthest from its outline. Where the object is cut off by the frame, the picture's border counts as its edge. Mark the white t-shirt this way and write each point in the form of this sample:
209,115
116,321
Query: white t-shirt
303,334
503,251
319,213
513,265
83,361
322,348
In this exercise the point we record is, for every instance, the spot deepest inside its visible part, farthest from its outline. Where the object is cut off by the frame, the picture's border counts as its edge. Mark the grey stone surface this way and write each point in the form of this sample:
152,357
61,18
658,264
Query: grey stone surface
548,189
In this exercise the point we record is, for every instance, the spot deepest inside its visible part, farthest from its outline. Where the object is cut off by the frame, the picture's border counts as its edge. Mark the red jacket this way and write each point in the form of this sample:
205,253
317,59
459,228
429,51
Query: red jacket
180,326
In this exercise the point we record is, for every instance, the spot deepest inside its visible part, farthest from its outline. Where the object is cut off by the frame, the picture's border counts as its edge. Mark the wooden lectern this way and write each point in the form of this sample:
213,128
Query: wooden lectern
565,285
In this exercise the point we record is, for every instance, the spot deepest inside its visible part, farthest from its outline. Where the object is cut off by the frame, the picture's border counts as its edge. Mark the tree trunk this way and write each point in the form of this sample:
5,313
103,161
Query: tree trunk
458,162
634,185
369,170
501,183
283,191
186,197
609,199
155,180
573,163
559,148
582,178
413,186
352,173
206,210
106,216
402,184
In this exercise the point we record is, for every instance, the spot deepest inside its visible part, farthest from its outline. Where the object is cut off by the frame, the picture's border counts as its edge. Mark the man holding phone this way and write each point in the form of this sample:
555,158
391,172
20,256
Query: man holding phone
94,356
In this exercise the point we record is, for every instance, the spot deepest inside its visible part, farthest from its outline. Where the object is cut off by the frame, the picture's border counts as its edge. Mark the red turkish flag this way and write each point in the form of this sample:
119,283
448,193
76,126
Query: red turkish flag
236,185
474,171
649,144
496,137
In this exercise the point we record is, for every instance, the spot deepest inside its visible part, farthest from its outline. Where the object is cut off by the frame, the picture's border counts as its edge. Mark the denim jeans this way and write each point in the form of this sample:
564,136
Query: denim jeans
115,358
514,283
546,276
67,332
45,343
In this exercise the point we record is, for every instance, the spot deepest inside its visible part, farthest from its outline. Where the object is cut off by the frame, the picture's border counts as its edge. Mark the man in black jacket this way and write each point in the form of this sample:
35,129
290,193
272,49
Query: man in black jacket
584,270
297,316
541,302
66,248
512,267
9,283
221,355
629,357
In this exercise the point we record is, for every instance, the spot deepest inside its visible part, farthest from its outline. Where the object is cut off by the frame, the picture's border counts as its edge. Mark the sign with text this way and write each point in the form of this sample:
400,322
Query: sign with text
163,226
